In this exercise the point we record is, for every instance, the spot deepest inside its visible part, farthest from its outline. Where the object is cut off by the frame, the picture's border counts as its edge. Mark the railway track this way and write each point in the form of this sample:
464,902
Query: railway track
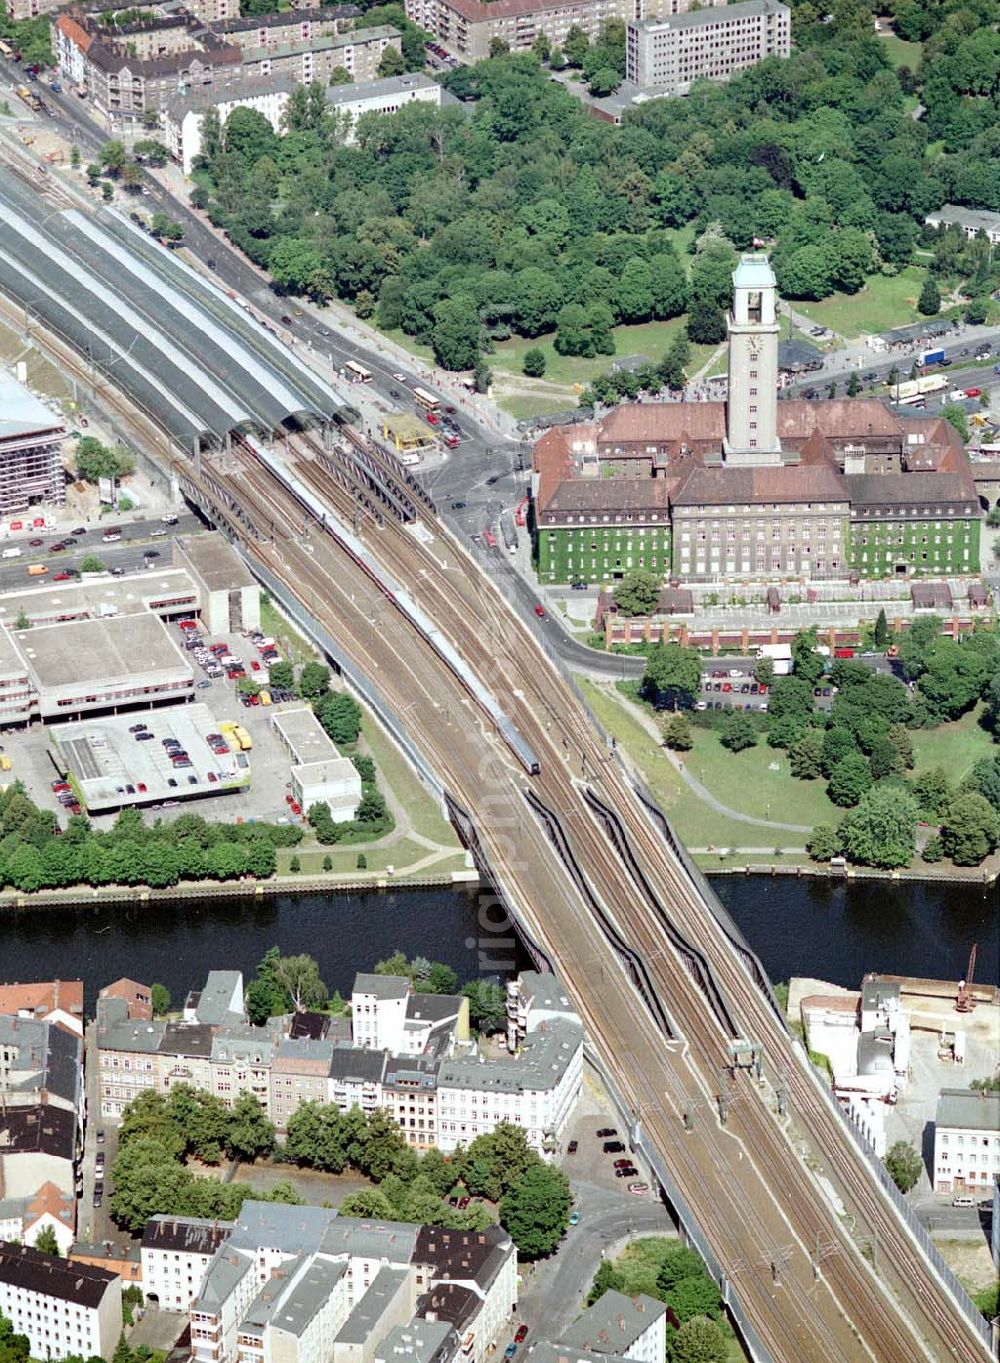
847,1285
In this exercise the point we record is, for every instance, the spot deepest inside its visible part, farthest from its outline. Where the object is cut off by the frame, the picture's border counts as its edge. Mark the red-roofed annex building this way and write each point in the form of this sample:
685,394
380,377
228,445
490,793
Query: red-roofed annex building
754,488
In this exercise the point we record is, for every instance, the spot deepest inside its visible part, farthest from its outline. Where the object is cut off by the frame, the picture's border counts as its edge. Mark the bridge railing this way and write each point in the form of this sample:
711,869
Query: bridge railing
959,1293
357,680
756,1347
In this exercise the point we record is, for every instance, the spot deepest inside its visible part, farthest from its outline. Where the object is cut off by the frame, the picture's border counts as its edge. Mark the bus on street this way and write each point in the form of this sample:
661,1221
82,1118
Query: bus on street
426,400
357,373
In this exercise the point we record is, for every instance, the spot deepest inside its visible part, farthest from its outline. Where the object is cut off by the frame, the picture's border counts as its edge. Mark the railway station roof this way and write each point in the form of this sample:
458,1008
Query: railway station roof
186,352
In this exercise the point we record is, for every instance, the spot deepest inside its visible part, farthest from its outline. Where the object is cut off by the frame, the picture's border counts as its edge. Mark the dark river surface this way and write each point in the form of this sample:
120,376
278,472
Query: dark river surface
831,930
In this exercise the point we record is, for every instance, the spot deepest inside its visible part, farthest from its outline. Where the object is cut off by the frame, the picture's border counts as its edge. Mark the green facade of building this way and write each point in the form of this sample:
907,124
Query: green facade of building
600,553
938,548
874,548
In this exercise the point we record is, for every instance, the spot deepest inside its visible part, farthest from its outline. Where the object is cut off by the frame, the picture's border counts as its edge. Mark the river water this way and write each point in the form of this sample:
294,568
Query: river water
829,929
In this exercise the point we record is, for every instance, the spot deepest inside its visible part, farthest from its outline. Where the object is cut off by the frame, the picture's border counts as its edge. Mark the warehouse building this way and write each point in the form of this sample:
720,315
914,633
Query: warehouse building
319,774
90,665
228,591
31,440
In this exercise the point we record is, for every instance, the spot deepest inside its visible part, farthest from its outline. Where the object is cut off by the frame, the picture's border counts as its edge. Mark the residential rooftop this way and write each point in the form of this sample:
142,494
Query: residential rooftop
185,1234
32,1271
969,1109
544,1055
361,1324
382,986
614,1323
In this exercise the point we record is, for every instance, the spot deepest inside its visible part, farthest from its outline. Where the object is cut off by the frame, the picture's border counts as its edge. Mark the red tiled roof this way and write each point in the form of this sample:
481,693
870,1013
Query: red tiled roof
43,997
792,483
664,422
850,418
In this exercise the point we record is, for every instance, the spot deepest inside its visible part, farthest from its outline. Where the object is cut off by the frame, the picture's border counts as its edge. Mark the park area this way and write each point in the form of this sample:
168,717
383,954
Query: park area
885,301
741,799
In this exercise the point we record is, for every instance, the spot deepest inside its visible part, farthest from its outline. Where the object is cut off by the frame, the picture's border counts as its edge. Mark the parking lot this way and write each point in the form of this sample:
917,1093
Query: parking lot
171,754
259,792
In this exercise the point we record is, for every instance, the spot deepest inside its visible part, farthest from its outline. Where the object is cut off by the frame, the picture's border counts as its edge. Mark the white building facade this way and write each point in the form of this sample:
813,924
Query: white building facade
967,1141
63,1308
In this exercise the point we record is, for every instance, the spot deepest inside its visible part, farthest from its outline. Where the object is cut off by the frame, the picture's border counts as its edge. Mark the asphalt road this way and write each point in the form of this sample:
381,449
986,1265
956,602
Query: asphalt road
128,554
552,1293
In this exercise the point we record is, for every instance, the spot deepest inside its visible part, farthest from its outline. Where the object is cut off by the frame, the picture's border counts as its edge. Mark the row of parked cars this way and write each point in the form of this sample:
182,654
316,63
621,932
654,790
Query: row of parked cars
64,793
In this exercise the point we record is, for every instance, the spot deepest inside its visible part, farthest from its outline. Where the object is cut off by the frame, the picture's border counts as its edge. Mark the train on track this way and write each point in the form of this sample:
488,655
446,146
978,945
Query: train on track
402,600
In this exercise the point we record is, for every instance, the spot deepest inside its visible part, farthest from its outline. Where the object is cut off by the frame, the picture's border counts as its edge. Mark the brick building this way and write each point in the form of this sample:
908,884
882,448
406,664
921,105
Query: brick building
754,488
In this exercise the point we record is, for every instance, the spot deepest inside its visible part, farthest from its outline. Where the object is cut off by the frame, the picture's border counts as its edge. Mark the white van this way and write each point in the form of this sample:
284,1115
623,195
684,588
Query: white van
12,553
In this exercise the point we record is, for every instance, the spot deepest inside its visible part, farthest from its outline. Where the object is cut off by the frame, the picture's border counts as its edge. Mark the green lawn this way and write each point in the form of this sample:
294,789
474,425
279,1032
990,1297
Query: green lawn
885,301
747,782
695,823
396,773
902,53
399,855
955,747
273,623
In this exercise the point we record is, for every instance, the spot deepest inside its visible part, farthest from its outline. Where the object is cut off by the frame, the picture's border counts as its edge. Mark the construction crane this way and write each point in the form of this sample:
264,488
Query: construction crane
964,1002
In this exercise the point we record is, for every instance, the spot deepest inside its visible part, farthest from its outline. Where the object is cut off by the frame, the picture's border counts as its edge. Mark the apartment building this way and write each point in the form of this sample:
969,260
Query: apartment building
535,1089
48,1209
41,1063
967,1141
300,1073
241,1060
166,59
625,1327
138,998
384,96
467,27
31,445
389,1015
63,1308
411,1055
183,116
534,998
668,55
409,1095
176,1253
300,1284
358,52
378,1010
354,1078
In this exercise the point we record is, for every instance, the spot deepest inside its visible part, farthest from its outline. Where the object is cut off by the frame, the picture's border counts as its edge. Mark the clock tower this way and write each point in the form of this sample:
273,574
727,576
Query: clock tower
752,413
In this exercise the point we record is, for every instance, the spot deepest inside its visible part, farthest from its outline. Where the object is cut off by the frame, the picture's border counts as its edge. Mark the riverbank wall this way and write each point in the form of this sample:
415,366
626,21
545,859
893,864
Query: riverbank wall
984,875
86,896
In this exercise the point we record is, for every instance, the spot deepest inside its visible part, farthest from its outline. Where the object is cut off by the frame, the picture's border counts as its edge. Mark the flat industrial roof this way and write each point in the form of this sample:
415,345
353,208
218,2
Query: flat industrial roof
21,413
216,562
182,349
106,759
306,737
94,651
134,593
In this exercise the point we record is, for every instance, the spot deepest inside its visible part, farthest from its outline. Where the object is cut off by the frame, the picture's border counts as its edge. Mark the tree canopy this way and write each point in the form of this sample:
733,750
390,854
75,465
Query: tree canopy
463,226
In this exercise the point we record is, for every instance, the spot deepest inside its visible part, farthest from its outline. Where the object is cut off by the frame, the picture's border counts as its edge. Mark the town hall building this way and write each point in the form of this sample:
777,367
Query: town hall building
754,488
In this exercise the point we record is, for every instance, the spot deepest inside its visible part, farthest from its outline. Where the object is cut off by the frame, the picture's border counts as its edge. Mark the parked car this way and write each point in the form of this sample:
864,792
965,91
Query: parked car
629,1172
638,1188
613,1148
574,1218
606,1133
522,1333
572,1148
